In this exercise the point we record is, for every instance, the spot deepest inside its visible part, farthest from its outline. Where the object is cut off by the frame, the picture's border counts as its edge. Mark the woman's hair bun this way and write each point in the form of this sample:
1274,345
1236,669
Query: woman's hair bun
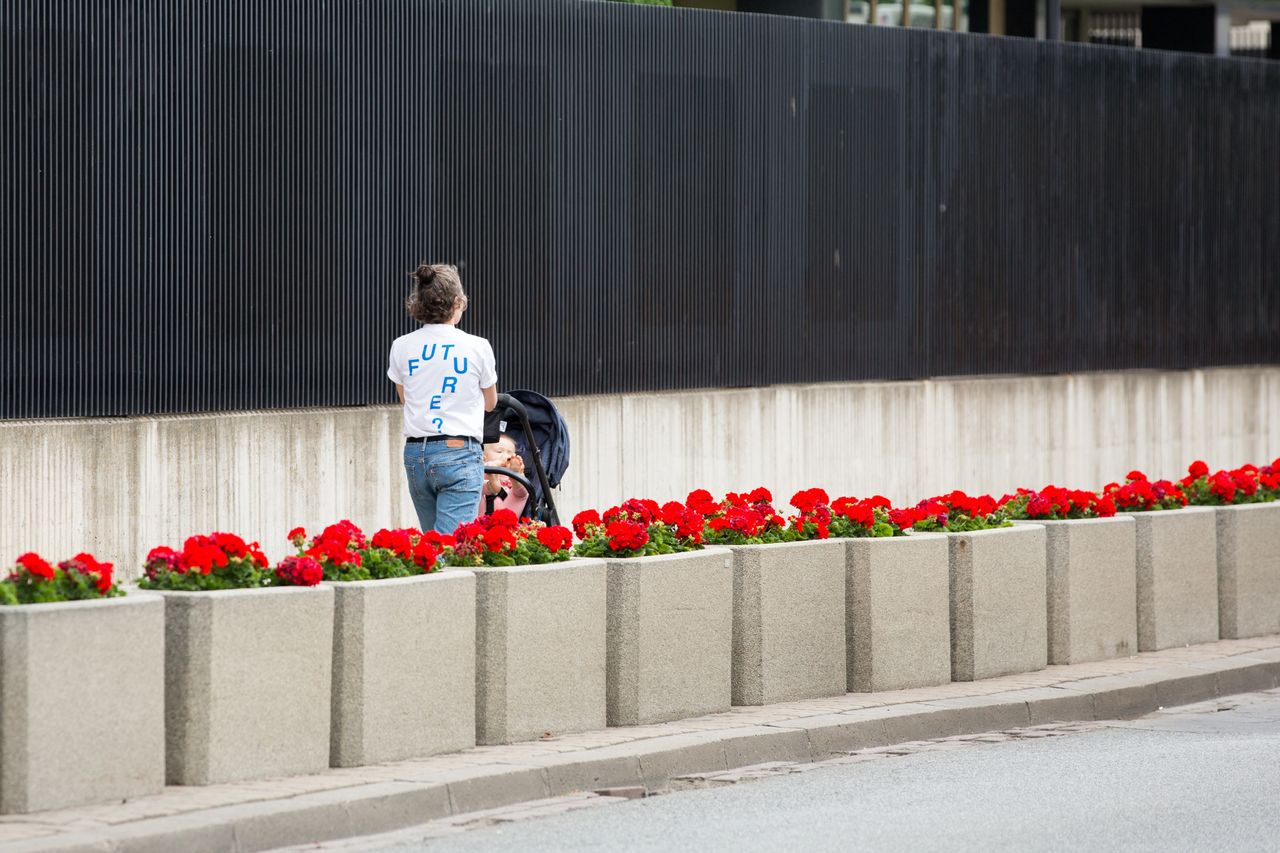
437,293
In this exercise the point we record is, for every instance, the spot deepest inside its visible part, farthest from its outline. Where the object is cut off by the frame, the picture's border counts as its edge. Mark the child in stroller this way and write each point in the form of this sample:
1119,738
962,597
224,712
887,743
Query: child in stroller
502,492
540,438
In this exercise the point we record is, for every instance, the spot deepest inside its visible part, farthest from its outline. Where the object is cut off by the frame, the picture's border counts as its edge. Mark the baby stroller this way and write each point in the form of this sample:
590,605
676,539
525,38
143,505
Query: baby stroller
542,440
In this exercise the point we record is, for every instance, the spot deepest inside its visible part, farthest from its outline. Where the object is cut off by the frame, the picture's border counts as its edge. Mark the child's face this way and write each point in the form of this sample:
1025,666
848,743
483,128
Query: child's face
500,452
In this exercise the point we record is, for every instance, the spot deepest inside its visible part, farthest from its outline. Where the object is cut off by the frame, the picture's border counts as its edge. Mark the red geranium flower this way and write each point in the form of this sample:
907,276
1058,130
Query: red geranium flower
36,565
439,540
809,499
163,559
1222,485
583,521
201,552
255,553
555,539
396,541
701,502
627,535
300,571
231,544
498,539
859,512
1197,470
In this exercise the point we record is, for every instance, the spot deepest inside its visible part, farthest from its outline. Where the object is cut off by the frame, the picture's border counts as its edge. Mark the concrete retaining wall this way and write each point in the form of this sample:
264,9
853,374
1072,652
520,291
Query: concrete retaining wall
119,487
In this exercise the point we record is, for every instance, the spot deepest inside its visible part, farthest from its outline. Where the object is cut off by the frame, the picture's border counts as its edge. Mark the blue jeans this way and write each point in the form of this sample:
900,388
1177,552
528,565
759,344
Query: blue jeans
444,482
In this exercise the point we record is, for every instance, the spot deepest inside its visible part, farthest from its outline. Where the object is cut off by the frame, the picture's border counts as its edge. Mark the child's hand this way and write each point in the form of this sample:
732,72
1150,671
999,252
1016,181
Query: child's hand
515,463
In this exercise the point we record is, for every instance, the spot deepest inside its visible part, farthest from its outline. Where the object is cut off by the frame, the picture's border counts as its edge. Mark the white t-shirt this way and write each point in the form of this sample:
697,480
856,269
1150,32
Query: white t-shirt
442,370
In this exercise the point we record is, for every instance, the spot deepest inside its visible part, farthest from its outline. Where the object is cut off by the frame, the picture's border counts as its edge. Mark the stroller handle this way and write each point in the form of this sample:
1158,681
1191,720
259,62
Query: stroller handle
522,413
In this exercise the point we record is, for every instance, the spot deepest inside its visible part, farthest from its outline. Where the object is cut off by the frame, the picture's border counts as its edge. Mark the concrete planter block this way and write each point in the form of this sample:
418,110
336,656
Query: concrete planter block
540,650
788,621
898,612
1248,570
248,675
81,702
998,607
670,636
1092,588
1177,577
404,668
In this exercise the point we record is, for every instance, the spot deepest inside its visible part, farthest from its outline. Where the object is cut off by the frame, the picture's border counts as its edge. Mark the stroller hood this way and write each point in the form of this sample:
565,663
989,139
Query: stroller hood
550,433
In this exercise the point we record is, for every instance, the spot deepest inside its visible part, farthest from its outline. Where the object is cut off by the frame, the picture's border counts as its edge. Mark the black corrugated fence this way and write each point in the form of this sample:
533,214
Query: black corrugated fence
213,205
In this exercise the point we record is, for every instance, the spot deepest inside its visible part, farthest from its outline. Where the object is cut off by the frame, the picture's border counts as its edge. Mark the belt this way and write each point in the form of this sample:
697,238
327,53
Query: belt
418,439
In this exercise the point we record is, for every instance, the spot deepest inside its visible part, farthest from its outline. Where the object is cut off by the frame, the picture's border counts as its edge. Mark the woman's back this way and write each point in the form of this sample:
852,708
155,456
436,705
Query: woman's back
443,370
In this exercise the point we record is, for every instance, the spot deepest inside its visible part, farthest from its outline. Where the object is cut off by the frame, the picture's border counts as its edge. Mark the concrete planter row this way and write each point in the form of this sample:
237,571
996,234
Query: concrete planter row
199,688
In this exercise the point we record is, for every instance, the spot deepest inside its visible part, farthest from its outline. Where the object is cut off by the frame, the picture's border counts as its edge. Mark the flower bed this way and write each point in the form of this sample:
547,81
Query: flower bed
503,539
34,580
403,644
82,691
952,513
1244,485
1248,543
539,622
639,528
248,661
223,561
670,611
345,554
1091,578
1177,564
788,594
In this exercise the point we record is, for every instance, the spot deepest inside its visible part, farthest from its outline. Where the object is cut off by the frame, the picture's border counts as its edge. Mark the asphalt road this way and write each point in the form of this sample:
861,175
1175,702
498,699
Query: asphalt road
1202,778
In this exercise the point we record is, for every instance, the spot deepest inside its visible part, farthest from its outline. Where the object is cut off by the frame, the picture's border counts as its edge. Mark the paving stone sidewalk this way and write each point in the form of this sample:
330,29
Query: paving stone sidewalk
367,800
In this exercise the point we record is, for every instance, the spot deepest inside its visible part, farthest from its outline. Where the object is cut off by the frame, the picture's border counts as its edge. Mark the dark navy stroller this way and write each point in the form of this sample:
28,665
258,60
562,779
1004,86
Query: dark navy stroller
542,440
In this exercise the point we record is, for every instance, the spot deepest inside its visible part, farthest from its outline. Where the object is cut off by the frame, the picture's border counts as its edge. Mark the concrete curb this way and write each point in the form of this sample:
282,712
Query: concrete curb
374,808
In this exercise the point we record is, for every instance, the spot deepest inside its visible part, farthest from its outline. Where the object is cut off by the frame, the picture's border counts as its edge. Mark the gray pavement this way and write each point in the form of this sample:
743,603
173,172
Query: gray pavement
1201,777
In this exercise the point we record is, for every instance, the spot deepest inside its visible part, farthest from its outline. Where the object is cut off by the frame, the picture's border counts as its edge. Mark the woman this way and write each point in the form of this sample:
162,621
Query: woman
447,381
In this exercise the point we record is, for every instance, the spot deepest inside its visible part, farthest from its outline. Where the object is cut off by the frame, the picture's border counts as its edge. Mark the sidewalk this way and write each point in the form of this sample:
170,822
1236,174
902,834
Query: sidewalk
368,800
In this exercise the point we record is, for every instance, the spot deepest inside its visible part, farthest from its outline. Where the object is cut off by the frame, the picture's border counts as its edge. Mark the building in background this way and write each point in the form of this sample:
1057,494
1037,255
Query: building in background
1241,28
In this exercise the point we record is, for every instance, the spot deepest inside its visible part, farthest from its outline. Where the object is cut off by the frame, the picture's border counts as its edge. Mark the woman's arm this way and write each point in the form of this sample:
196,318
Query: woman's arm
490,397
400,391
